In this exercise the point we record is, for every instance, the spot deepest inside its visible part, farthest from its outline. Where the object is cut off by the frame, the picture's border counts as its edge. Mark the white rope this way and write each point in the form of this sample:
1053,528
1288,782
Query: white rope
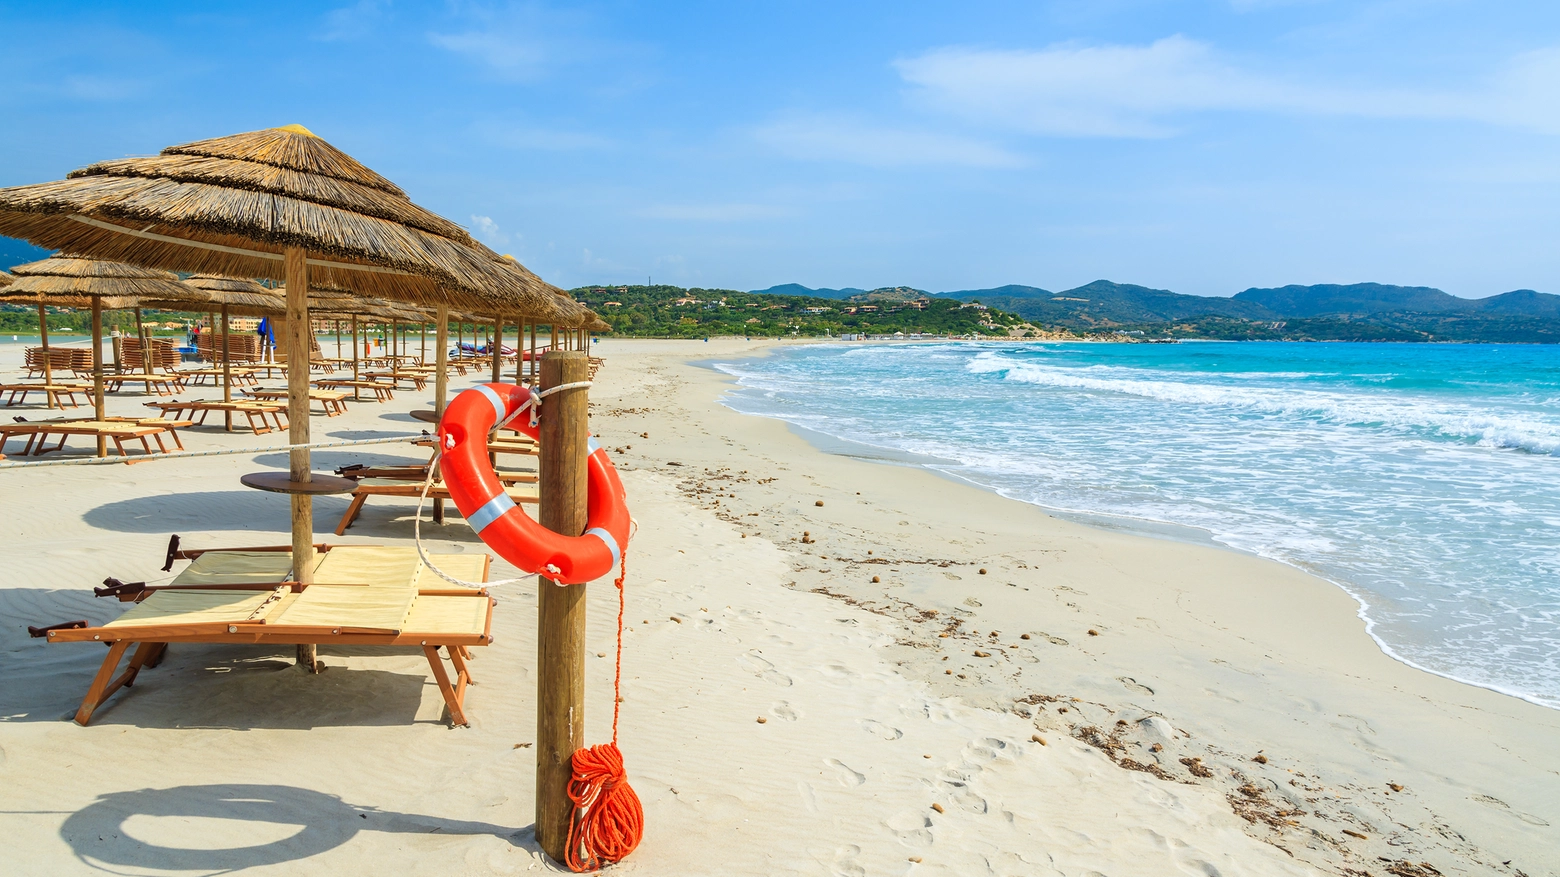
184,455
534,405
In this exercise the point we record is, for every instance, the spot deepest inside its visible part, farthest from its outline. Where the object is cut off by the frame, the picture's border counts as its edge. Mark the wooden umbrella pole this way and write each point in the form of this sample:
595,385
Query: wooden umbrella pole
297,268
227,367
140,339
422,354
43,334
560,650
395,356
534,364
520,353
355,396
441,381
495,345
338,338
97,370
554,329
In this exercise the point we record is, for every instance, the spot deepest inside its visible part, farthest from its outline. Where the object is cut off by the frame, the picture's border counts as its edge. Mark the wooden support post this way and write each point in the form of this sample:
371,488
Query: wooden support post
560,664
43,334
97,369
534,364
227,367
495,345
520,353
441,380
355,396
297,267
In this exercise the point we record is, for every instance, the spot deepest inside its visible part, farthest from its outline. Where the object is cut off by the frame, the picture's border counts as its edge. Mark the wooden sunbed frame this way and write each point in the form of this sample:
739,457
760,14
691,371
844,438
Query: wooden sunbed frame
62,395
382,392
152,640
38,432
161,383
241,374
254,411
419,381
333,402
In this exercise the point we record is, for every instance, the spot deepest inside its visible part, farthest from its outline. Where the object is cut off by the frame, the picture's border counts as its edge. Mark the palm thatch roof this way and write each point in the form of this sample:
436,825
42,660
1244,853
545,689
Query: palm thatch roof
72,281
233,205
5,279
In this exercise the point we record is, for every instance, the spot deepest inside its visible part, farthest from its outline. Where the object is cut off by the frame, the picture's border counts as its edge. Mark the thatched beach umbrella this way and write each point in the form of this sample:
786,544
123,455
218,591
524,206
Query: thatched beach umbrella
279,204
225,296
73,281
5,279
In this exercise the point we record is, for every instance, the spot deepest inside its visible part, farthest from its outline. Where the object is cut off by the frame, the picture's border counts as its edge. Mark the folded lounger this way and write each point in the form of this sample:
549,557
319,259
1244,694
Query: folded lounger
362,595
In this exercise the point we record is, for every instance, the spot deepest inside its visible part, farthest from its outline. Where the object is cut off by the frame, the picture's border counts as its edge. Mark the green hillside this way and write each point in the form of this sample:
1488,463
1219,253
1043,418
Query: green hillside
675,312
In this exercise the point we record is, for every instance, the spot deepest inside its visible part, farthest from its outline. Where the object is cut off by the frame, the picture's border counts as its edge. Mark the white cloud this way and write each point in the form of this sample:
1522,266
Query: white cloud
352,22
487,231
713,212
1145,91
832,138
513,57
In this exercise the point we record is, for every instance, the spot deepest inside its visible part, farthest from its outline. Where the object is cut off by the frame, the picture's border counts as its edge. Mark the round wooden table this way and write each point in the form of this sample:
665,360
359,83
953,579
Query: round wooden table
281,482
426,416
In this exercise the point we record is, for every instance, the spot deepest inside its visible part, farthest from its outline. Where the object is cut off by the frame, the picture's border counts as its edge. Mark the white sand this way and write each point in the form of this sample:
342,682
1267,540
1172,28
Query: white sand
229,758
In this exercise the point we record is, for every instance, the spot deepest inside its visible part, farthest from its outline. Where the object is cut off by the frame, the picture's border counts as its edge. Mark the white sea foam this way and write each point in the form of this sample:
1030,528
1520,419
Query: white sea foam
1388,468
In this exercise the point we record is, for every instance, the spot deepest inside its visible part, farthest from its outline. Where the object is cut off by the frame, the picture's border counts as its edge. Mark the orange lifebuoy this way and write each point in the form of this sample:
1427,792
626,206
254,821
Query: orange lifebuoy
475,488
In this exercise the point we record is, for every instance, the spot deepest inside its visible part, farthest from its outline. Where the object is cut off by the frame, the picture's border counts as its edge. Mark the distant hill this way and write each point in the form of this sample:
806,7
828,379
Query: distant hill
1334,312
889,293
798,289
1012,290
1356,298
15,252
1104,304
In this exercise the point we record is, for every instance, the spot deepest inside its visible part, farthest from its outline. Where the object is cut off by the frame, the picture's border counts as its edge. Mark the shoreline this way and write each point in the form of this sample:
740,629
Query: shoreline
1145,527
1331,615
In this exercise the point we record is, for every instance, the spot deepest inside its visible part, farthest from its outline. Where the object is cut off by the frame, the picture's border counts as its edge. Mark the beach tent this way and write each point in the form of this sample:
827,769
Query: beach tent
280,204
73,281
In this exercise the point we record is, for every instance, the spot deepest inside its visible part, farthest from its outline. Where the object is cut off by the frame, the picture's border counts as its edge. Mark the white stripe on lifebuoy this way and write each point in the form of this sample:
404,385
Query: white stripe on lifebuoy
491,511
603,535
500,407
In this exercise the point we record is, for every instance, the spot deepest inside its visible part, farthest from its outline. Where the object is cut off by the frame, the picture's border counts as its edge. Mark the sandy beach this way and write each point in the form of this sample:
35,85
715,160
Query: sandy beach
833,665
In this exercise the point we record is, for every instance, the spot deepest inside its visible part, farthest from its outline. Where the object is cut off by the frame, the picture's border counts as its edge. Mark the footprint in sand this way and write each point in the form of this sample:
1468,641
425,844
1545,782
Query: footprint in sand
878,729
783,710
764,670
985,751
970,802
1134,685
912,827
842,772
1529,818
845,864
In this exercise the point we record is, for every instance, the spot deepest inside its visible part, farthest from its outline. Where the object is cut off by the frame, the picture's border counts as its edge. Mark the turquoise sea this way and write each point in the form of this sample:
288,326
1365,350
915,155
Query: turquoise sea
1423,479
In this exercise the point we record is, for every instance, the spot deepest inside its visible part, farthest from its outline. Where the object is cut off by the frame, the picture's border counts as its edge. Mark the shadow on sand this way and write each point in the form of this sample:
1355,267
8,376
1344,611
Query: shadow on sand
239,509
97,832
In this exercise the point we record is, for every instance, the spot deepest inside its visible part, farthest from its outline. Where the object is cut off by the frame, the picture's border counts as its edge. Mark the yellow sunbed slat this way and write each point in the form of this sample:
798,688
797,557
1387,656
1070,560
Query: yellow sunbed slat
448,616
236,568
466,567
197,607
381,566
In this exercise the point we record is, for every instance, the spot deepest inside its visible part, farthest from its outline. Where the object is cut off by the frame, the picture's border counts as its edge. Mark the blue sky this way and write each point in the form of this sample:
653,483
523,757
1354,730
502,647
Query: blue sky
1197,146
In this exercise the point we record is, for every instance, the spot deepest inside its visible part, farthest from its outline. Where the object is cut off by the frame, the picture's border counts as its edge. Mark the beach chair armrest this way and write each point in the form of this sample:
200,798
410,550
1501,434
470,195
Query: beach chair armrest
41,632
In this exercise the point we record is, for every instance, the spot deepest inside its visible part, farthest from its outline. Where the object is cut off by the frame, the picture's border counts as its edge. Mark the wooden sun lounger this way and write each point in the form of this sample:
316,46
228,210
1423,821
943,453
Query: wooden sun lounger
62,395
333,402
255,412
409,489
161,383
382,392
362,595
242,374
418,381
38,433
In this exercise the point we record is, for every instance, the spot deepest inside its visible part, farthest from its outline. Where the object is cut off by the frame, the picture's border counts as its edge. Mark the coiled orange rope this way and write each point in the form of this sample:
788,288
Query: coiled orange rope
608,819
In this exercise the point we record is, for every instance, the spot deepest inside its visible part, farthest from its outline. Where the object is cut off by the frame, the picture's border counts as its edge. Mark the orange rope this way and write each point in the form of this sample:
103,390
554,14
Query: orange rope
608,819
